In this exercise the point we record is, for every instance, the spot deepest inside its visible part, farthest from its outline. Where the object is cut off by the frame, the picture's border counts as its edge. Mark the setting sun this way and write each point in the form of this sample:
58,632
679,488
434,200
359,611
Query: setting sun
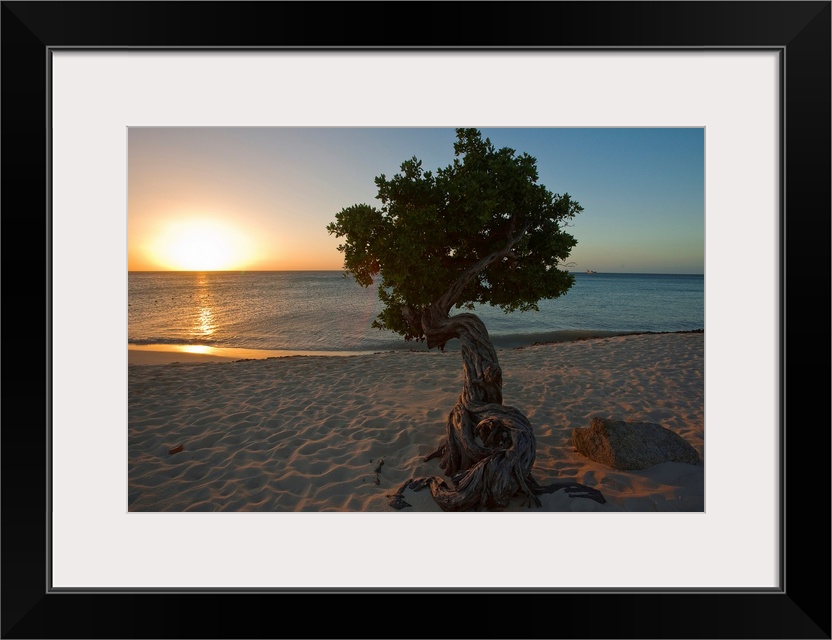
202,245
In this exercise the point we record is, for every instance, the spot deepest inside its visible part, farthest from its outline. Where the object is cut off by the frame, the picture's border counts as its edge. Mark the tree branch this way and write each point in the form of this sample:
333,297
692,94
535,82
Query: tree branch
446,302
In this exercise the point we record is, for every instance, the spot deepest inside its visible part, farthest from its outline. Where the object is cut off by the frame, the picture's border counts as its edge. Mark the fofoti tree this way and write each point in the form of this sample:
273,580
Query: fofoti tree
479,231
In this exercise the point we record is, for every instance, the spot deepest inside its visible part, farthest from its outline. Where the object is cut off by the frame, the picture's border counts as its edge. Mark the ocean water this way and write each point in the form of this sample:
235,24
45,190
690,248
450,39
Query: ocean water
325,311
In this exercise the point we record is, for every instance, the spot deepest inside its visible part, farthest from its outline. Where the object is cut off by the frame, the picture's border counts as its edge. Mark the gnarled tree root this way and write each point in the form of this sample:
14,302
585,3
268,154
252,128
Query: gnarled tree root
468,495
488,454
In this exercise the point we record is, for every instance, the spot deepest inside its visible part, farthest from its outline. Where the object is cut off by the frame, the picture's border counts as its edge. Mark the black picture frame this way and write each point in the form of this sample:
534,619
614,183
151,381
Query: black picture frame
800,608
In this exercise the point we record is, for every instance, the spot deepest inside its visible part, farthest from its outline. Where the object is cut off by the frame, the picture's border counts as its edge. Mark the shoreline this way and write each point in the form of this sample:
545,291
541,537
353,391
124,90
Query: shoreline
164,354
155,354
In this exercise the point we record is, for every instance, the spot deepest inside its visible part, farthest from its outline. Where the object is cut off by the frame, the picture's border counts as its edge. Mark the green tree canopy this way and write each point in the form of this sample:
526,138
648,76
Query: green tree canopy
481,228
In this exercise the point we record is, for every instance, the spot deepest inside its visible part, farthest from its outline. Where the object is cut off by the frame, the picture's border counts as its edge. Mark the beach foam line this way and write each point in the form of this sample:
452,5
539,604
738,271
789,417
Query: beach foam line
146,354
170,353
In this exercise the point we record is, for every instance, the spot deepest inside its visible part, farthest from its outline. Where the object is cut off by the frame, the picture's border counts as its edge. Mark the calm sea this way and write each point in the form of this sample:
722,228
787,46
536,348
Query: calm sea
324,311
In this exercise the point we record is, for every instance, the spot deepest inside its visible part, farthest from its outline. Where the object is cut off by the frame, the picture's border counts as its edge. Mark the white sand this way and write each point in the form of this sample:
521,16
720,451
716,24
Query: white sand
306,433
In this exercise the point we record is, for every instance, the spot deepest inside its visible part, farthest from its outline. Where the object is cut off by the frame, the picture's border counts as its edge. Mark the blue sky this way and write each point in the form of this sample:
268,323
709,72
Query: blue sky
246,198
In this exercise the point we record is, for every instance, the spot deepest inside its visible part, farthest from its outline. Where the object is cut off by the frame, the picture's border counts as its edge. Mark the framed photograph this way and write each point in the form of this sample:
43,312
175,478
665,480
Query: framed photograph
87,84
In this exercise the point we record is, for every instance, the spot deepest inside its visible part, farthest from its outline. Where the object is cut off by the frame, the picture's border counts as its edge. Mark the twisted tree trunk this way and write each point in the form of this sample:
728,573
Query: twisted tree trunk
489,448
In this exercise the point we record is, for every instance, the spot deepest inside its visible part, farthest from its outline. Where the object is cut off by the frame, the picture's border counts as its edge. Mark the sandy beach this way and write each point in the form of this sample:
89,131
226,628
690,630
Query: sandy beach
310,433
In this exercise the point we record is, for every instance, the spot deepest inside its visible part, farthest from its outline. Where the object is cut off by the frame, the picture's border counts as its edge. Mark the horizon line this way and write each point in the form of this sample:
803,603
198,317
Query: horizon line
642,273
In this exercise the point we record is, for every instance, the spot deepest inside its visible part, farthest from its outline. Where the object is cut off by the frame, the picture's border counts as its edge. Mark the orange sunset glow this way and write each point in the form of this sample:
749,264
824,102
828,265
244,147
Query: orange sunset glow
201,245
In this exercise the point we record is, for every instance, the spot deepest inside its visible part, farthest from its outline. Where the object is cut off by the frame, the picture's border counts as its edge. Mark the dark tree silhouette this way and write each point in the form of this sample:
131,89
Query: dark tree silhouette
481,230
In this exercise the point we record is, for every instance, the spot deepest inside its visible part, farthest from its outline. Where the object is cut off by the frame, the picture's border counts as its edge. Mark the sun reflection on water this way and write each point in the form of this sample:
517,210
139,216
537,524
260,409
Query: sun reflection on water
205,323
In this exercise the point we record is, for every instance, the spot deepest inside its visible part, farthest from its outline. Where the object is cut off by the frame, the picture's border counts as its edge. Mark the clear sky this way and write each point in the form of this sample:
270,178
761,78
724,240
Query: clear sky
260,199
